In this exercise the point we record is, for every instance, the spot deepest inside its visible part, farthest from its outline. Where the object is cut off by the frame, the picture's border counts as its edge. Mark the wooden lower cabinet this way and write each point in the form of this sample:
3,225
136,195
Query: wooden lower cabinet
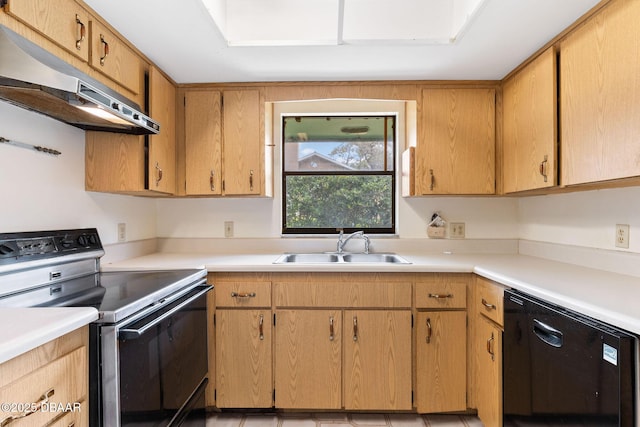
243,358
308,359
441,361
377,360
488,345
55,374
339,341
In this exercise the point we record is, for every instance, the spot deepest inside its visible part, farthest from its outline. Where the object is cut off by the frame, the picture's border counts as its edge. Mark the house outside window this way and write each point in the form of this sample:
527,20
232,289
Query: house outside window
338,174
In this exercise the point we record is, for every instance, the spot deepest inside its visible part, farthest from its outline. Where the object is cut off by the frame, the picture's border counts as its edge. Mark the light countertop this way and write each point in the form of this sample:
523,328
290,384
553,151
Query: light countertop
609,297
24,329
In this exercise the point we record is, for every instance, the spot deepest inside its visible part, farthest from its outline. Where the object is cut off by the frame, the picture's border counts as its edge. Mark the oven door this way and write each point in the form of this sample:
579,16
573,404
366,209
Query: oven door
161,365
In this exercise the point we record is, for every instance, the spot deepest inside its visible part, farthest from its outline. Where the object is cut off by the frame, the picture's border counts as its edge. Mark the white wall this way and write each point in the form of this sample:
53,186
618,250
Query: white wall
584,219
40,191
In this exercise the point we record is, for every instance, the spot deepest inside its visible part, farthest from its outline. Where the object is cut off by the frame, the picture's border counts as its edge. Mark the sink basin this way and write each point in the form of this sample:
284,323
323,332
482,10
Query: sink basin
383,258
333,258
313,258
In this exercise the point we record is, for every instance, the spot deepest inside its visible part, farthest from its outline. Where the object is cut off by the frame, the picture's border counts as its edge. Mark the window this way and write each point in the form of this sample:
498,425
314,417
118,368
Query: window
338,173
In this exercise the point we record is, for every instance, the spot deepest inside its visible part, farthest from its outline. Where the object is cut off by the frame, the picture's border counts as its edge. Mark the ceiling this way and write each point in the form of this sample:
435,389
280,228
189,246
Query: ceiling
182,39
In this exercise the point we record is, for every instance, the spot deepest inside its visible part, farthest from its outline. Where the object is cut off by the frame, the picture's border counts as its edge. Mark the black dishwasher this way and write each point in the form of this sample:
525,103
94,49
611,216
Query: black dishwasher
562,368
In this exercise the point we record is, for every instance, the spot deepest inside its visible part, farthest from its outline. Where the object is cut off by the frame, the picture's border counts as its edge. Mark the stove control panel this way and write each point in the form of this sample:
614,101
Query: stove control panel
27,246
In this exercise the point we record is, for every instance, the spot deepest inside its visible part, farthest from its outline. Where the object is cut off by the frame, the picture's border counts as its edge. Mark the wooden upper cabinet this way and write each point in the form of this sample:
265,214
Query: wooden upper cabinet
112,57
224,154
456,147
242,146
64,22
530,126
203,148
600,96
162,146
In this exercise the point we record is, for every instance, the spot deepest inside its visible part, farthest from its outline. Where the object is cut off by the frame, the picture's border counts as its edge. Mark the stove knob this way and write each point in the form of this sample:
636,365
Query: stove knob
83,241
93,239
5,250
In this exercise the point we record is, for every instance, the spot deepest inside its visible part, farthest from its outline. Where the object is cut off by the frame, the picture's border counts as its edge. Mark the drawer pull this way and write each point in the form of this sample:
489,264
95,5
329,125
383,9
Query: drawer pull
429,330
331,330
490,342
440,296
35,407
243,295
355,328
488,305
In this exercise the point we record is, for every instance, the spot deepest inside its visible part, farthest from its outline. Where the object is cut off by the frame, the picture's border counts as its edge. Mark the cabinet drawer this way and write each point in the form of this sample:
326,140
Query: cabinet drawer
342,294
489,300
53,388
243,294
445,291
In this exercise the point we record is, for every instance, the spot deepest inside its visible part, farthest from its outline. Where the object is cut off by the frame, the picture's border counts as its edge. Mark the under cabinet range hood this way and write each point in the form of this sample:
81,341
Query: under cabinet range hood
32,78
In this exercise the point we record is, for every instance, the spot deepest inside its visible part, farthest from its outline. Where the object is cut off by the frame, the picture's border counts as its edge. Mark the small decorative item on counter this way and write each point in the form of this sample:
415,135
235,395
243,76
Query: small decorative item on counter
436,228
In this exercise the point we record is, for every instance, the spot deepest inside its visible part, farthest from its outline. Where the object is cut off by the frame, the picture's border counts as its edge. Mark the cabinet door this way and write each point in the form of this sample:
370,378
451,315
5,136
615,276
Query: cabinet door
441,361
243,359
456,149
242,147
114,162
203,142
488,347
112,57
530,126
308,359
600,97
162,147
64,22
377,360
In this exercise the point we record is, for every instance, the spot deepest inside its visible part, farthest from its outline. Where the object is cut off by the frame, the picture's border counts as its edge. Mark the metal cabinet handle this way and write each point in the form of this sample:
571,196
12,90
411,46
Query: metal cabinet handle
355,328
159,174
105,49
243,295
212,182
490,350
331,330
543,168
31,409
251,180
433,180
82,32
261,327
440,296
429,330
488,305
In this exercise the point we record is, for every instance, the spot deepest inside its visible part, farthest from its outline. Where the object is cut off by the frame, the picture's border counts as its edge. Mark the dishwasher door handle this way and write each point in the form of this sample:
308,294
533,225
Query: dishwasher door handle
547,334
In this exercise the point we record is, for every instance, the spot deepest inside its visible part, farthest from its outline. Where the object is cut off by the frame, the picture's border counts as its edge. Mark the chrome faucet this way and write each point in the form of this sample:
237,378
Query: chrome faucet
342,240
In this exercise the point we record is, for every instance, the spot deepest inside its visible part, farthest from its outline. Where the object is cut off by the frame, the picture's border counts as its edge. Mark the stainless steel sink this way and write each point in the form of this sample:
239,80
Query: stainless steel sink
312,258
380,258
335,258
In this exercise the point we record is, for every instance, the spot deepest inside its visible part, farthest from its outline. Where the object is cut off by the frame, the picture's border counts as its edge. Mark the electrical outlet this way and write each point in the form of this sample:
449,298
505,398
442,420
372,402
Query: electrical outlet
122,232
622,236
228,229
456,230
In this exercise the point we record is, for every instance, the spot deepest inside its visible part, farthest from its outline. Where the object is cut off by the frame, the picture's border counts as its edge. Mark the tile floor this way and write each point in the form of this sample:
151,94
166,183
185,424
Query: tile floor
339,420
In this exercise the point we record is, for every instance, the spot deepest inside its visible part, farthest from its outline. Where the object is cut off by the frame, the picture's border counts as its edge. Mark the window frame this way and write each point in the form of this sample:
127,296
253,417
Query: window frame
391,230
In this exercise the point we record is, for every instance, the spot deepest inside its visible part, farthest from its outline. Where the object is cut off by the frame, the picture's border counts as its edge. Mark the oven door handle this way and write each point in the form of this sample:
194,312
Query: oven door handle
132,334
